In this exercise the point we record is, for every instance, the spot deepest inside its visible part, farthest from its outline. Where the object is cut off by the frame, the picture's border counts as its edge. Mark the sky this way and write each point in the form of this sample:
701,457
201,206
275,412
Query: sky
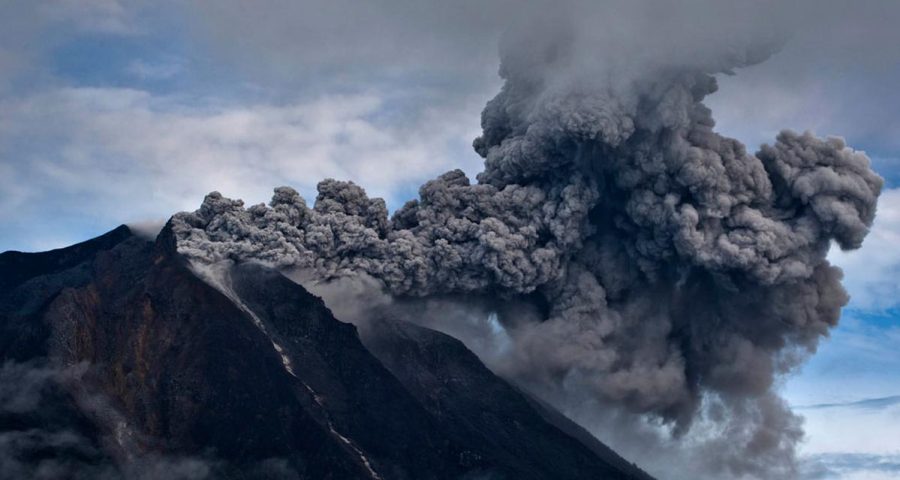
115,111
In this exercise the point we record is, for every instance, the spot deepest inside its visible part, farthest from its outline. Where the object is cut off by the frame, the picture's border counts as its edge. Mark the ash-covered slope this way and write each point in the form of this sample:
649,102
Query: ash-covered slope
486,413
121,361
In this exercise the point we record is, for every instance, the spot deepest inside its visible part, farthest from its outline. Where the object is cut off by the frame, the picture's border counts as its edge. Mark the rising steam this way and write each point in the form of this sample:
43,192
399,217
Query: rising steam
667,265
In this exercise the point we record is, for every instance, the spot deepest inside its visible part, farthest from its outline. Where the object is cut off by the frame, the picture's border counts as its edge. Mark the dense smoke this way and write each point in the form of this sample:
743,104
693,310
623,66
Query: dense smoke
667,271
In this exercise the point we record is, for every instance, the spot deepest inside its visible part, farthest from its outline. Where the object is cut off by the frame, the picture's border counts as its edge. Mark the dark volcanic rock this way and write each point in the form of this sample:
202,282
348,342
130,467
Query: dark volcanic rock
29,280
361,398
18,267
500,425
138,366
180,363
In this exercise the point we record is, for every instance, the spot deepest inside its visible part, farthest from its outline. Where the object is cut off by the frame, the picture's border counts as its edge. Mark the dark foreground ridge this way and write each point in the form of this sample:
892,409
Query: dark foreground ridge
120,361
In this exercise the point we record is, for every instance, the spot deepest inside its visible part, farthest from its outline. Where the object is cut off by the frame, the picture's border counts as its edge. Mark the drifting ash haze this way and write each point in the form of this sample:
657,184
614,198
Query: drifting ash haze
635,257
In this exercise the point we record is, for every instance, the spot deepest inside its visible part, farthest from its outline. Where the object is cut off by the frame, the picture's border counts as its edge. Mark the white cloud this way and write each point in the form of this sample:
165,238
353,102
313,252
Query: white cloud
849,442
859,360
100,16
872,273
160,70
852,429
837,75
850,466
30,30
346,41
127,154
847,395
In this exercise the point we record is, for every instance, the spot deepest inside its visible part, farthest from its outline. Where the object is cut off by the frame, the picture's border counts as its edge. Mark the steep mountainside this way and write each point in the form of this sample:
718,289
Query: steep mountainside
121,360
499,423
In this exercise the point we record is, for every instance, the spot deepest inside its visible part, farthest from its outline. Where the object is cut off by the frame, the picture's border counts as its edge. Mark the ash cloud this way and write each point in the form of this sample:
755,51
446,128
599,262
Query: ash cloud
665,270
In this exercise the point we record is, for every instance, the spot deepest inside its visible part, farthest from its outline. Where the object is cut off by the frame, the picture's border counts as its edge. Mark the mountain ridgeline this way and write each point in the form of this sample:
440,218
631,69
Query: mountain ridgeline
120,360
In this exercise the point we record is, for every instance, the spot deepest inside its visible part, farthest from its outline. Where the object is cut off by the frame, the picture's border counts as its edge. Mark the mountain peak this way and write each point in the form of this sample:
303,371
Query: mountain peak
238,372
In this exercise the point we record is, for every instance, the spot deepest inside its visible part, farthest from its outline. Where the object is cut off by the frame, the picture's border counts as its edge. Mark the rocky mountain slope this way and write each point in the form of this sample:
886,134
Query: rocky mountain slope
120,360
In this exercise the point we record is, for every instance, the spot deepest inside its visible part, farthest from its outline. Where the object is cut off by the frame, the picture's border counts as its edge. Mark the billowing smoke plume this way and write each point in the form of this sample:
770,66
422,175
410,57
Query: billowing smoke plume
665,264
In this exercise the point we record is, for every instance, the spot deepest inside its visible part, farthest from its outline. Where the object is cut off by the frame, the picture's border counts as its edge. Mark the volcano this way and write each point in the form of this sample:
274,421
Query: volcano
123,360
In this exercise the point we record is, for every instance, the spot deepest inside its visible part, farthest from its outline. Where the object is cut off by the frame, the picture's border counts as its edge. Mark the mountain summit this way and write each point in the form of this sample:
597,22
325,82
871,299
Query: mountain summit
121,360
